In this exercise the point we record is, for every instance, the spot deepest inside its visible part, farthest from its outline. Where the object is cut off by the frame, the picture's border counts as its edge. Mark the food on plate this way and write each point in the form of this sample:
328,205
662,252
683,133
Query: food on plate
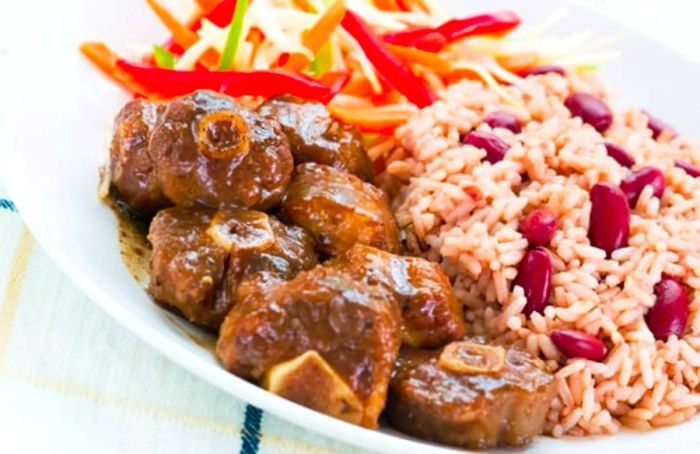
354,328
431,316
314,136
187,267
212,151
132,170
608,298
470,394
421,182
201,257
310,381
201,149
338,210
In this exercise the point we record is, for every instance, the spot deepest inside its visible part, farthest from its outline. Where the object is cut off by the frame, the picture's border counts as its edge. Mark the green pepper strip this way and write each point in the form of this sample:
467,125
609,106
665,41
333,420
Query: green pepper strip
234,35
163,58
323,60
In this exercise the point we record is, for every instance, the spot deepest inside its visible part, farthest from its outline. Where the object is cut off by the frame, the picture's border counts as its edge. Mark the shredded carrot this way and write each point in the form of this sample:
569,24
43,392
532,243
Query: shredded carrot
182,35
358,85
345,101
409,5
208,5
210,58
421,57
388,97
387,5
106,61
305,5
465,67
519,62
256,38
377,119
324,27
314,38
502,74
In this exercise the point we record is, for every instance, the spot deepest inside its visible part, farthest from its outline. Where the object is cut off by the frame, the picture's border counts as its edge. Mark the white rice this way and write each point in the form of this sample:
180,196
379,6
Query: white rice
465,214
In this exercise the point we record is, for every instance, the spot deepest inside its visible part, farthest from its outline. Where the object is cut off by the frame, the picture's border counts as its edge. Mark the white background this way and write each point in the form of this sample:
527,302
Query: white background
144,374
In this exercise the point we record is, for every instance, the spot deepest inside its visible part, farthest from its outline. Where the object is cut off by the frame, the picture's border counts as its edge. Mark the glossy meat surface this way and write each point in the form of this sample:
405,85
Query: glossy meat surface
259,242
353,327
202,259
474,401
314,136
339,210
262,249
133,174
187,266
431,316
213,152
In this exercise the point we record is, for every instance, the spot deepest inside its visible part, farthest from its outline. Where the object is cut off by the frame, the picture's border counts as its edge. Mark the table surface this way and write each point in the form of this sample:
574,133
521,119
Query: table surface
73,380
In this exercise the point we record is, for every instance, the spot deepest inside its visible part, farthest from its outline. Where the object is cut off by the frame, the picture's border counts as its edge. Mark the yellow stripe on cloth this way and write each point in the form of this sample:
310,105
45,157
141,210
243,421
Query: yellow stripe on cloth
143,408
13,289
123,403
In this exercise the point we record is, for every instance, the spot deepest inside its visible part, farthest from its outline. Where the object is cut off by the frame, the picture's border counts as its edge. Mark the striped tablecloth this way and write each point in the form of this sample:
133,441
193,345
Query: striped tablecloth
72,380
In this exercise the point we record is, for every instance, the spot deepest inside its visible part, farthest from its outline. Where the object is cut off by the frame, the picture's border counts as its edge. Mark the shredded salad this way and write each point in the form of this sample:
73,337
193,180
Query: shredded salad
373,62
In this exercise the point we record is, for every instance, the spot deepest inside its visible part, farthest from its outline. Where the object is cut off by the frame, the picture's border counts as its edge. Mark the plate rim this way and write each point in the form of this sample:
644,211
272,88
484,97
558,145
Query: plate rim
216,375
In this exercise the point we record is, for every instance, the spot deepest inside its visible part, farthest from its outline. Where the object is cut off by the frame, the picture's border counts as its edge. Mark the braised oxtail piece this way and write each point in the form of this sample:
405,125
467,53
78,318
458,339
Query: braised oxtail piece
203,261
211,151
187,266
471,395
431,316
339,210
131,167
314,136
323,339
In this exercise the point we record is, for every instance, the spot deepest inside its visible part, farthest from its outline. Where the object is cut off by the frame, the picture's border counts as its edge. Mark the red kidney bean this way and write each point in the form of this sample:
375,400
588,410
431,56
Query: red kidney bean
496,148
635,182
577,344
619,154
535,277
688,167
609,222
545,69
669,314
657,125
538,227
590,109
501,119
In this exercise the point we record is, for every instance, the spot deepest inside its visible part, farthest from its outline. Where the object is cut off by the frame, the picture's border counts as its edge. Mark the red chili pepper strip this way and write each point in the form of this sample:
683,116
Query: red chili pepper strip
221,15
174,48
499,22
455,29
335,80
389,66
171,83
408,37
431,42
207,5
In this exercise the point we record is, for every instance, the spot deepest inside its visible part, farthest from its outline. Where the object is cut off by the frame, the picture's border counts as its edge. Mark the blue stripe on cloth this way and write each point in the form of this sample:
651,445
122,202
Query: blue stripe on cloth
250,434
8,205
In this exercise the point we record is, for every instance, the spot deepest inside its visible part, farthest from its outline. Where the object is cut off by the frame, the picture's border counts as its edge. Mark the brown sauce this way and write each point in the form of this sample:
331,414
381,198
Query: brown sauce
205,340
134,248
135,251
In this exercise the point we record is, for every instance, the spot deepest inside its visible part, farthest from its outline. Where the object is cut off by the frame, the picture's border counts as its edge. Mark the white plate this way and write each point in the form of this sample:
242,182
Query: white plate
57,122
